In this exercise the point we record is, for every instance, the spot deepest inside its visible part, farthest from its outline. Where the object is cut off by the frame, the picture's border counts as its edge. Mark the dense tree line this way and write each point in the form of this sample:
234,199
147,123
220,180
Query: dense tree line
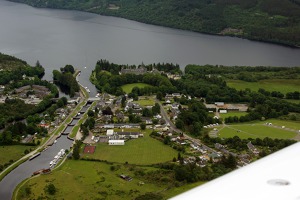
193,119
250,74
268,20
107,79
66,80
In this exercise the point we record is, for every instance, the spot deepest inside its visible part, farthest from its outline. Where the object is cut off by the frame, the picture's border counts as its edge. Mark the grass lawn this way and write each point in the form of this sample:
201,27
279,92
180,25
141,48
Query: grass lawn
288,124
255,131
281,85
144,150
232,114
128,87
95,180
13,152
296,101
145,102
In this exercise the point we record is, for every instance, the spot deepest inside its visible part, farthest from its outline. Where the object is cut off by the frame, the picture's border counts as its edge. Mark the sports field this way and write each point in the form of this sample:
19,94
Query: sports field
255,131
128,87
281,85
145,150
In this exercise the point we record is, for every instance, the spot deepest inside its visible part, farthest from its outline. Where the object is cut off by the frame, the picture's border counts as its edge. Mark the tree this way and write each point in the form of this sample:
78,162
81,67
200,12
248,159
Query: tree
229,162
167,140
179,124
91,113
76,149
159,95
68,68
50,189
156,109
107,111
150,196
143,126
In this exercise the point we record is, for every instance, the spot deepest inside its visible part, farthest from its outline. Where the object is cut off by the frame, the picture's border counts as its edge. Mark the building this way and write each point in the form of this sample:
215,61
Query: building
137,71
126,135
219,103
223,111
109,132
116,142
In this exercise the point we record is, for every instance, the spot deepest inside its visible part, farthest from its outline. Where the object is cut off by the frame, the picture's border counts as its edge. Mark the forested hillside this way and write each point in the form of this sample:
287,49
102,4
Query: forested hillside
267,20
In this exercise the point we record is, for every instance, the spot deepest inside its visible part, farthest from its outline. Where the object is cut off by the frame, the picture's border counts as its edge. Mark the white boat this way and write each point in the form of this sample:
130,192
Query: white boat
55,141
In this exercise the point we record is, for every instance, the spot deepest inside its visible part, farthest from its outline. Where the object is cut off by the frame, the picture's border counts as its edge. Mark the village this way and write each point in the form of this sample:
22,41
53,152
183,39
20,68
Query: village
116,127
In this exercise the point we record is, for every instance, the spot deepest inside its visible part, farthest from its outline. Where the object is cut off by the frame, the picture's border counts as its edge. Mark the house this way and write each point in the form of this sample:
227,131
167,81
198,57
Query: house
110,132
116,142
168,96
161,127
158,116
127,135
219,146
137,71
223,111
107,126
175,106
178,95
120,116
252,148
219,103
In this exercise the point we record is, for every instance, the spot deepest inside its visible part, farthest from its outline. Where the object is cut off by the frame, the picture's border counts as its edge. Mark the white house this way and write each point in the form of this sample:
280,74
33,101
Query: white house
223,111
128,134
219,103
109,132
116,142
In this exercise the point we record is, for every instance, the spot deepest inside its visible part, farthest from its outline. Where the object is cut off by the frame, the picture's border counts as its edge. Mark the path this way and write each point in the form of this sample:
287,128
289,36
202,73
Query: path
173,128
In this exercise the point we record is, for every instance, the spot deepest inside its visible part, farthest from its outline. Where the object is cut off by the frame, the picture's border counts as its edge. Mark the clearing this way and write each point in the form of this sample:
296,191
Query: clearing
281,85
128,87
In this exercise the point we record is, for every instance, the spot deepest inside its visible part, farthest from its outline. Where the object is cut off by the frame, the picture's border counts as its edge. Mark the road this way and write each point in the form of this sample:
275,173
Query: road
173,128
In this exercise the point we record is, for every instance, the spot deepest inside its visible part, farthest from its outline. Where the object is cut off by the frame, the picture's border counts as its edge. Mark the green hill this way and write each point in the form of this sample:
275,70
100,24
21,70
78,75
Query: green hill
10,63
275,21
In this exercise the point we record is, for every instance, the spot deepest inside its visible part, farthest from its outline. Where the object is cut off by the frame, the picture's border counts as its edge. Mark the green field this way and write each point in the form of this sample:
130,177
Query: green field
128,87
296,101
232,114
145,102
288,124
13,152
144,150
245,131
96,180
281,85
